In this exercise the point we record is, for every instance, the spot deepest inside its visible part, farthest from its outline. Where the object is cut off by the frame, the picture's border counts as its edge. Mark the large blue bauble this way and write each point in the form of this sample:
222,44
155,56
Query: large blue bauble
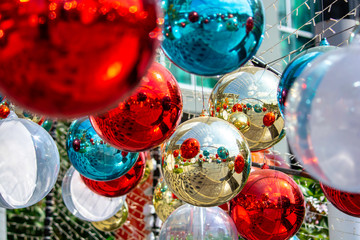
212,37
94,158
295,68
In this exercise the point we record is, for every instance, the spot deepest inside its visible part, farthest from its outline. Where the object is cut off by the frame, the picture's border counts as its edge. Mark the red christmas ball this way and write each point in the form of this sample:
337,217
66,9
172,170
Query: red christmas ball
122,185
269,119
348,203
270,206
72,58
190,148
145,119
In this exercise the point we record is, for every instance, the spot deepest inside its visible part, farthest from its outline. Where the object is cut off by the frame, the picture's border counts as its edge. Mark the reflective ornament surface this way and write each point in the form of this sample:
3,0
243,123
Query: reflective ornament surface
29,162
145,119
322,118
84,203
271,206
348,203
115,222
94,158
269,158
247,99
190,222
295,68
165,202
212,37
68,59
217,172
120,186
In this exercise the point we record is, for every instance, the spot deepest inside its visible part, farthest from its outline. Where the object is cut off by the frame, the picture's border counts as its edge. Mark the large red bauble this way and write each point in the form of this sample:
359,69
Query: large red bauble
122,185
270,206
65,58
348,203
147,118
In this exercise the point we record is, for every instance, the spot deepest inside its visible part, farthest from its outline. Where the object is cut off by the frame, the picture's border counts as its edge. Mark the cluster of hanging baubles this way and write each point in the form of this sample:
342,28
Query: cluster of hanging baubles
69,59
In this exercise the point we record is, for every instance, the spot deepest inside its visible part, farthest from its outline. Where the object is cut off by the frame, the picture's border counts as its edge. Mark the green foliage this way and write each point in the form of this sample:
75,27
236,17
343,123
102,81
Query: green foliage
315,226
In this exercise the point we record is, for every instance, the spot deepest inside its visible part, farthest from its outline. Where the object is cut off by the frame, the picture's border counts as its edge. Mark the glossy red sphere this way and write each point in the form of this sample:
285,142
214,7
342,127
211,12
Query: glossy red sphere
270,206
122,185
190,148
72,58
269,119
145,119
348,203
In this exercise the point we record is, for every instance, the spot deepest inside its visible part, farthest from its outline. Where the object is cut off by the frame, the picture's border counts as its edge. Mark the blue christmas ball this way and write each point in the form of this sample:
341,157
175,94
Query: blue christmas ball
94,158
212,37
296,67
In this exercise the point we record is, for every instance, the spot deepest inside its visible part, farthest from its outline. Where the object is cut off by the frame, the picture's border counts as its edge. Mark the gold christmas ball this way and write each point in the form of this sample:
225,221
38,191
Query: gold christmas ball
165,202
250,91
206,162
240,121
115,222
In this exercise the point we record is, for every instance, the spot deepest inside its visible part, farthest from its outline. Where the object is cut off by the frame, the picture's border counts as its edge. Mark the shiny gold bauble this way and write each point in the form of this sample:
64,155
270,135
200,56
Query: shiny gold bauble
240,121
115,222
251,91
165,202
206,162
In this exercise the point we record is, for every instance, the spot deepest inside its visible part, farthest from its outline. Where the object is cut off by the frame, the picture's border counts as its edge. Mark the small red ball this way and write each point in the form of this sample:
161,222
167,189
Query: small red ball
68,59
239,164
269,119
4,111
237,108
176,153
76,145
270,206
190,148
249,24
348,203
193,17
141,125
120,186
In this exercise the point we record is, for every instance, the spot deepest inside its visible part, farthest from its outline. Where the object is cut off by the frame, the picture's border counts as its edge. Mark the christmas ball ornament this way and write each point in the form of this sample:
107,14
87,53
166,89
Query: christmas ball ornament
348,203
145,119
77,56
84,203
217,172
247,99
120,186
165,202
295,68
322,112
270,206
94,158
190,222
115,222
4,110
240,120
29,163
212,37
